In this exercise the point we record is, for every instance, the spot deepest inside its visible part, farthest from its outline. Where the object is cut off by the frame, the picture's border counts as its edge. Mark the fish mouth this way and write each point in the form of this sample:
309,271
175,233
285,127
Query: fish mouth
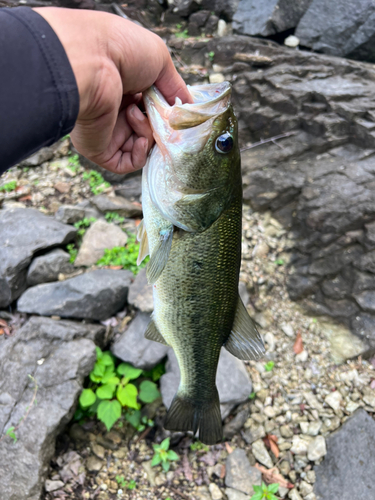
209,101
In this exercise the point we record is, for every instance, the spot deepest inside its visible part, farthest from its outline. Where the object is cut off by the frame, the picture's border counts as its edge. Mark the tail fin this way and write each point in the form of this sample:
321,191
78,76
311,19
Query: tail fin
186,415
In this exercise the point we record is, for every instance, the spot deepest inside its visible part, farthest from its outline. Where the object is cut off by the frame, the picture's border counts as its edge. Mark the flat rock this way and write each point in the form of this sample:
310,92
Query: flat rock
47,267
239,474
70,214
117,204
267,17
233,494
99,237
134,348
59,355
94,295
349,466
131,189
233,390
24,231
261,454
317,449
39,157
140,293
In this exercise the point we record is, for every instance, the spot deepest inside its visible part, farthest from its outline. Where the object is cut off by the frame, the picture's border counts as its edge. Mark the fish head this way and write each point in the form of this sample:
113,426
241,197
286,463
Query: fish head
196,160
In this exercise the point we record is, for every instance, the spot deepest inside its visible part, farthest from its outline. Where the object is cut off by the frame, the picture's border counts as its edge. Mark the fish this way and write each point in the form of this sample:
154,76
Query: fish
192,227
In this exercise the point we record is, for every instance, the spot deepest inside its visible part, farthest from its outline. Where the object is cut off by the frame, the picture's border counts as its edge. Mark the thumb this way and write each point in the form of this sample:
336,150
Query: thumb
171,84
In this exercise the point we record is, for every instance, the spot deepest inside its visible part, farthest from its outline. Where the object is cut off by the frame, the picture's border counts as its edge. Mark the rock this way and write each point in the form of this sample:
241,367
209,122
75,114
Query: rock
294,495
131,188
95,295
291,41
98,450
140,293
47,267
305,488
348,466
215,492
366,300
344,344
299,446
317,449
58,355
268,17
39,157
334,400
150,471
94,464
99,237
239,474
62,187
233,390
117,204
236,424
261,454
53,485
134,348
70,214
216,78
24,231
235,494
340,28
261,249
197,22
287,329
222,28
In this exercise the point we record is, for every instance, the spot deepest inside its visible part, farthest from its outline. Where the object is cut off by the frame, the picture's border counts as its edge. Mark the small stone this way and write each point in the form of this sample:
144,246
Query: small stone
310,496
160,479
334,400
317,449
286,431
98,450
314,428
93,464
62,187
288,329
291,41
310,476
369,398
269,411
305,488
253,434
261,249
236,424
233,494
216,78
302,356
239,473
299,446
215,491
117,204
284,467
261,454
351,406
221,28
150,472
304,427
294,495
53,485
270,340
282,492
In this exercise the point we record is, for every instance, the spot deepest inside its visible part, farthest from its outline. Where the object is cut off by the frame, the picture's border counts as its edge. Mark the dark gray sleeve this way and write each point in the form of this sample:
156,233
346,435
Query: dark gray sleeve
39,100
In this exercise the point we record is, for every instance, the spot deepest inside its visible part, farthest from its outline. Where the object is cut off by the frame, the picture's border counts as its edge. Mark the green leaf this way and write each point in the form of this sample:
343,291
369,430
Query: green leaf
134,418
172,455
268,366
110,378
166,466
148,391
271,496
107,359
127,395
272,488
257,489
10,432
106,391
257,496
99,369
87,398
109,412
164,445
95,378
156,459
99,352
128,371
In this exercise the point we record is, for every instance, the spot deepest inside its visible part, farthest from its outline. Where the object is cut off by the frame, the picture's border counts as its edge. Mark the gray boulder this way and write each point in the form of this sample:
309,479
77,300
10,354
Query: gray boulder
140,293
341,28
233,389
99,237
268,17
349,465
117,204
58,355
95,295
47,267
239,474
131,189
24,231
134,348
70,214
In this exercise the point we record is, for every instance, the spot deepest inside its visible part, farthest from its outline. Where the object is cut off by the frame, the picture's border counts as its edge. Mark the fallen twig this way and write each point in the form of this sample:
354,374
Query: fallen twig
271,139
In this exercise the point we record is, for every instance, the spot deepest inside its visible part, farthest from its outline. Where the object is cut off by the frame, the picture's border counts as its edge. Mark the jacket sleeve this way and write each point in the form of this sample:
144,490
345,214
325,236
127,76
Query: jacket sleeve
39,100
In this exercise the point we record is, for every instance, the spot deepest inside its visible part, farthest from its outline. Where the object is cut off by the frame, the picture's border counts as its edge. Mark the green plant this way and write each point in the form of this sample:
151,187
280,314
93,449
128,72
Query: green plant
198,446
83,224
265,492
110,391
114,217
269,366
73,163
279,262
252,395
72,250
126,256
9,186
96,181
182,34
121,481
178,26
163,455
211,55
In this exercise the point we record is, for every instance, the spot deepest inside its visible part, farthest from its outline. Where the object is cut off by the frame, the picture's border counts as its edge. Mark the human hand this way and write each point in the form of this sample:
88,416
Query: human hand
114,61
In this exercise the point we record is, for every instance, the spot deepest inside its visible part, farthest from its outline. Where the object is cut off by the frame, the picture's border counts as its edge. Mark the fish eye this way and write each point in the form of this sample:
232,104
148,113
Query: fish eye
224,143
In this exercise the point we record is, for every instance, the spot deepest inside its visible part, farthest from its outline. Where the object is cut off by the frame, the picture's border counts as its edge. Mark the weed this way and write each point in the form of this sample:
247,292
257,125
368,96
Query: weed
163,455
83,224
279,262
269,366
198,446
114,217
265,492
110,392
252,395
96,181
72,250
73,164
126,256
211,55
9,186
182,34
121,481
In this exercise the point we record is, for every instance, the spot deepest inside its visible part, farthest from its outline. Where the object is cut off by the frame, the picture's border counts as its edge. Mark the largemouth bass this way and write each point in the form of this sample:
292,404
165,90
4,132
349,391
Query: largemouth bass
192,204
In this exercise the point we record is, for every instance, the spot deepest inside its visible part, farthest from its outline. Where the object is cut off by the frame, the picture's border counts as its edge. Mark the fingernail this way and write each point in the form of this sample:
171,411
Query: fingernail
137,113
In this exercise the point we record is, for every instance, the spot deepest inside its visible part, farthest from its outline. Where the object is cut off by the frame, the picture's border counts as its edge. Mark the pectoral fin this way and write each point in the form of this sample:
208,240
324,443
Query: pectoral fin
160,254
143,242
244,341
152,333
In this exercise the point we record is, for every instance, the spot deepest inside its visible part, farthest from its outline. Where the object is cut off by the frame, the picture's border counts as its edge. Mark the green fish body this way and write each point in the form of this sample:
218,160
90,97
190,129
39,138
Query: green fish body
192,203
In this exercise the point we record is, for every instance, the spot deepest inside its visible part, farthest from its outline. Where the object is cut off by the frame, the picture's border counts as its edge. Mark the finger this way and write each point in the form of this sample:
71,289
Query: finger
140,124
171,84
139,153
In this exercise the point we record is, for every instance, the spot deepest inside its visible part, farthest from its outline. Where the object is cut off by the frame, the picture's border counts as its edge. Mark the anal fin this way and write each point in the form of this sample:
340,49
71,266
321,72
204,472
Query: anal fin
152,333
143,242
160,254
244,341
